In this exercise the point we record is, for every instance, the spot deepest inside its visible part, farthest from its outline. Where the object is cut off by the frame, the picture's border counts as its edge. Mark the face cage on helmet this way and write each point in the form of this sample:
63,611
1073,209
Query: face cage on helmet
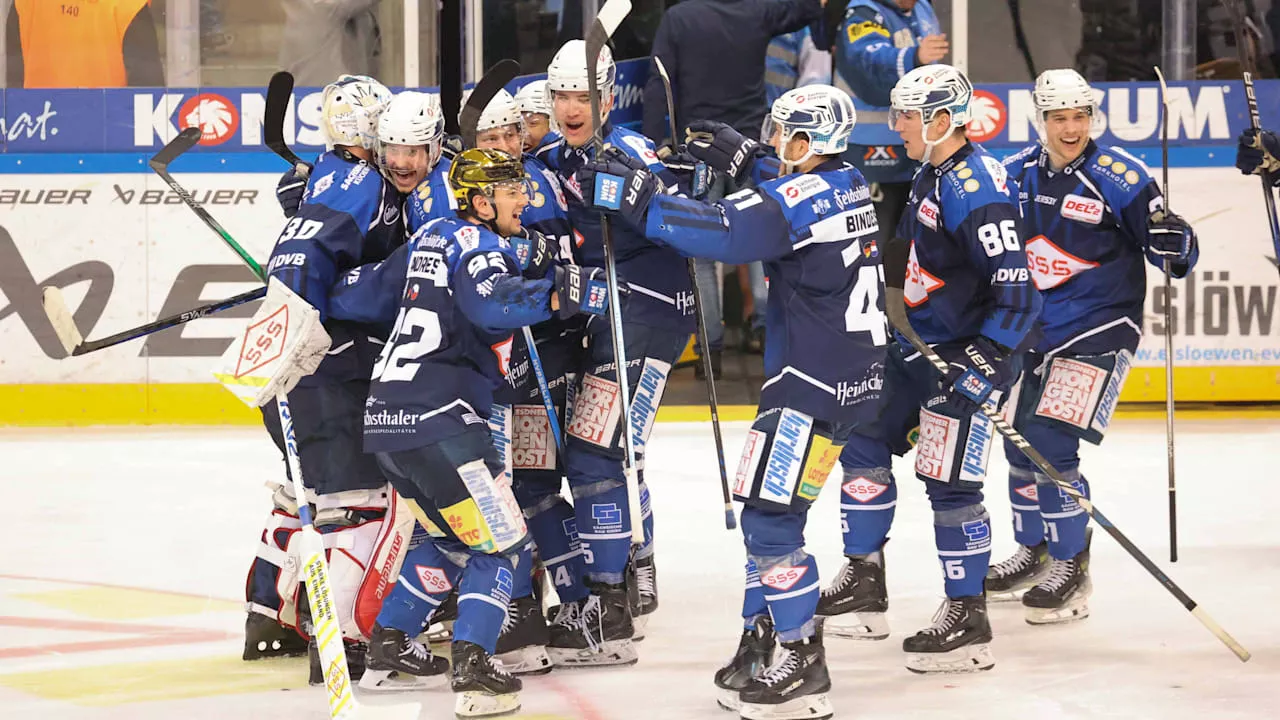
896,114
786,134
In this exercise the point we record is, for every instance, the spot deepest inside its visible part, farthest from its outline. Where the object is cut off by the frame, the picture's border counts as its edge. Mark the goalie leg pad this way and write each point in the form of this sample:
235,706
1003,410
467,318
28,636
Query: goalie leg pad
350,550
389,550
271,587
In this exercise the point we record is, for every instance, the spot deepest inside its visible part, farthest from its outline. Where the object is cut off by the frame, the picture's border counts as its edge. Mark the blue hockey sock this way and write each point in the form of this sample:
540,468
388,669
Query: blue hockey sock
1028,528
555,529
483,597
522,569
1065,521
753,604
791,590
646,512
426,577
604,529
867,501
963,538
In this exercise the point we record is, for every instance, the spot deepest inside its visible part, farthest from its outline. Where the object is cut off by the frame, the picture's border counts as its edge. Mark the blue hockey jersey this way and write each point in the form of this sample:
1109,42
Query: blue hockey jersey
453,294
349,216
432,199
1086,229
826,333
967,271
661,293
875,46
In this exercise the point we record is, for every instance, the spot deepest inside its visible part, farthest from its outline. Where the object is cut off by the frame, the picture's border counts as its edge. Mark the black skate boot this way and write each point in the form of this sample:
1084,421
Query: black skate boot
396,661
522,646
266,638
1063,595
754,654
956,642
1027,567
856,601
356,652
794,687
601,632
482,687
642,591
440,625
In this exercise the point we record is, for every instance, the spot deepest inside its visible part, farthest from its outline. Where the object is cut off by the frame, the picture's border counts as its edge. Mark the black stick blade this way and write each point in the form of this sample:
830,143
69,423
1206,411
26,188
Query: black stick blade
279,96
896,253
186,140
497,78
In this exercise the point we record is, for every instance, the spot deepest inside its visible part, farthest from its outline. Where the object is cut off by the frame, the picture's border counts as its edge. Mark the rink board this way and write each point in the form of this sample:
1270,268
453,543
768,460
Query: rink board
126,252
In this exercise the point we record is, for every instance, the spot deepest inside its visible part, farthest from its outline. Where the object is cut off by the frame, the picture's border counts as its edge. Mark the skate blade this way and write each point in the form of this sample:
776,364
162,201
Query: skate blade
613,652
729,699
440,632
808,707
478,704
381,681
1006,596
1075,607
857,626
639,623
966,659
531,660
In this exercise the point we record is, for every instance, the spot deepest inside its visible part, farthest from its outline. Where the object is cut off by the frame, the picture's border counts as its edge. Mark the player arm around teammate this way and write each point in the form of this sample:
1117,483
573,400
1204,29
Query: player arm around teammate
1090,213
814,227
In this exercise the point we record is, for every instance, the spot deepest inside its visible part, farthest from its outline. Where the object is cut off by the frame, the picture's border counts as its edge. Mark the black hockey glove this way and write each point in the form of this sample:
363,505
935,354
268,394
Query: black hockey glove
721,147
536,253
289,191
1258,152
1169,236
616,187
983,367
581,291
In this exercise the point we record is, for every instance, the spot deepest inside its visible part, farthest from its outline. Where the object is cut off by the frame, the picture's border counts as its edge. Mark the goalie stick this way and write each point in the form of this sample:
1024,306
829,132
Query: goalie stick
730,522
608,20
1168,324
895,262
279,98
159,162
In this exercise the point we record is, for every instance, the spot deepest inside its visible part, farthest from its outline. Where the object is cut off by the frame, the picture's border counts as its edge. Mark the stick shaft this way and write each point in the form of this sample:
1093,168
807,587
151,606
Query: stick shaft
169,322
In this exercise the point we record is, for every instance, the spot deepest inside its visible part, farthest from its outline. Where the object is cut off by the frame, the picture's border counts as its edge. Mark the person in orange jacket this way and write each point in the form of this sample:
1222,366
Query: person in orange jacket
82,43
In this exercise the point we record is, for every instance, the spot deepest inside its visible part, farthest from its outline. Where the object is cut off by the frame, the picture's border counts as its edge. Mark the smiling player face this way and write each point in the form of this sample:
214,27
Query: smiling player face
1066,132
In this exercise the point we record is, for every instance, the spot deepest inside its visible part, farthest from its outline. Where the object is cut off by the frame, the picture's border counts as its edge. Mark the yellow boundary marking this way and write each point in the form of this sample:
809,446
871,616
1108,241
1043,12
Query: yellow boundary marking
54,405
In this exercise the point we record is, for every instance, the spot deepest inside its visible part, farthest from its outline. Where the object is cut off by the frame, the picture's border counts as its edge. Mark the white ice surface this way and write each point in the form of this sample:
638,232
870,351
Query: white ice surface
180,510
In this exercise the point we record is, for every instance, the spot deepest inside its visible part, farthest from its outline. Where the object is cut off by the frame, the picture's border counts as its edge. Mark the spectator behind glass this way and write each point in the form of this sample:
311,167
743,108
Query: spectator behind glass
324,39
82,43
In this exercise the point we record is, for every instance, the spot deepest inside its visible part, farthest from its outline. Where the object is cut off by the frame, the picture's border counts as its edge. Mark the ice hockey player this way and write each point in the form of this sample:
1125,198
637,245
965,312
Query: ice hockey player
349,216
453,296
875,43
1091,214
658,317
536,109
814,227
970,296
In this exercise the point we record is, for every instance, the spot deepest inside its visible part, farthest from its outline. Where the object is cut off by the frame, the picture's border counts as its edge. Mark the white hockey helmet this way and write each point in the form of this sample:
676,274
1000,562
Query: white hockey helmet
928,90
351,108
500,112
823,113
413,118
1064,89
568,71
532,98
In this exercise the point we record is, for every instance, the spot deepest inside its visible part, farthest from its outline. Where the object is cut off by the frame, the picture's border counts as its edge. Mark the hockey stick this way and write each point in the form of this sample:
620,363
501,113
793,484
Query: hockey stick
186,140
324,618
607,20
497,78
895,260
64,325
730,522
1168,324
279,97
540,375
1249,65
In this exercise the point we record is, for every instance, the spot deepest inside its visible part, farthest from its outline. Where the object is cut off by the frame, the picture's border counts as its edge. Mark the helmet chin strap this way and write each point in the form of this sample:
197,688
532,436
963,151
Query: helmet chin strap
928,145
789,166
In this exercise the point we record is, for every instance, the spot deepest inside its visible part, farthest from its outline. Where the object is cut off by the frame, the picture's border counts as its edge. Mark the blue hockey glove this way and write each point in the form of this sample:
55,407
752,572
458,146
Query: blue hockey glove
721,147
616,187
1258,152
536,253
982,368
1169,236
289,191
581,290
450,148
693,176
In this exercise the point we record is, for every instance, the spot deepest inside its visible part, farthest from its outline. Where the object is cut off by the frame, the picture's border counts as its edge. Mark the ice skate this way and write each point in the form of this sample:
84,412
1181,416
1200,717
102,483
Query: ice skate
522,646
642,587
754,654
794,687
398,662
481,686
855,603
266,638
1063,595
1028,566
356,653
600,634
957,641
